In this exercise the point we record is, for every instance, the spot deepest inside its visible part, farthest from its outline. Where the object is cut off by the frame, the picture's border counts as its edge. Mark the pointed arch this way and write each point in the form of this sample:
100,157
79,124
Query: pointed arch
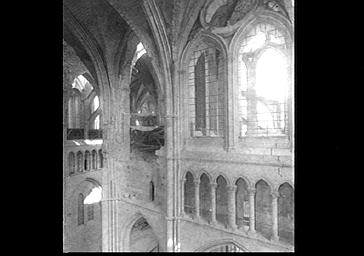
194,175
79,161
189,194
263,208
242,203
203,172
98,68
257,114
286,212
127,229
204,72
87,161
101,159
94,159
195,44
226,178
252,19
222,200
245,178
211,245
205,197
266,180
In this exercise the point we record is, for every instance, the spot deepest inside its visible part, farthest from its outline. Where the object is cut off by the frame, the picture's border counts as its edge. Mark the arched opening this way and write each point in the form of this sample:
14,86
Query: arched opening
242,204
71,163
264,81
143,238
94,159
83,110
96,123
101,159
222,246
87,160
205,198
147,132
95,104
80,163
189,195
286,213
222,201
205,96
78,107
229,247
263,209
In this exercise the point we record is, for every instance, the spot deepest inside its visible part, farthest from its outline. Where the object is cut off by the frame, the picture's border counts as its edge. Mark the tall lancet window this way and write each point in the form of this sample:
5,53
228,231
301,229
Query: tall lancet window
264,81
206,91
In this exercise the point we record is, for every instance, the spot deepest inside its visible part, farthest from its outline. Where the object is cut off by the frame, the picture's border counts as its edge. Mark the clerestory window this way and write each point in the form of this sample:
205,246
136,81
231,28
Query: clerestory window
263,79
206,91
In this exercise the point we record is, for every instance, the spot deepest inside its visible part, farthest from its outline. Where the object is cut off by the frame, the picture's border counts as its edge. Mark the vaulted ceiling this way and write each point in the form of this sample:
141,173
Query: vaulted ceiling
116,26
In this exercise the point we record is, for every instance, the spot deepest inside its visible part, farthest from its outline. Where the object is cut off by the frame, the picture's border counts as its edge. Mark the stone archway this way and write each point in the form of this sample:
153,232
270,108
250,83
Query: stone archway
225,245
139,236
142,237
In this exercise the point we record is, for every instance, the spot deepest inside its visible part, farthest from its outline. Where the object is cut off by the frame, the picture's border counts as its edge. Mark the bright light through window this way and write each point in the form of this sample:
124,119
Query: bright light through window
97,123
94,196
79,82
82,79
255,42
92,142
140,51
95,104
271,76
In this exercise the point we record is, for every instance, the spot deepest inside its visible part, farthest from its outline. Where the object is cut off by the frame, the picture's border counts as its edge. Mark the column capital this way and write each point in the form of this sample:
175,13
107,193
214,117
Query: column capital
232,188
252,191
196,182
213,184
275,195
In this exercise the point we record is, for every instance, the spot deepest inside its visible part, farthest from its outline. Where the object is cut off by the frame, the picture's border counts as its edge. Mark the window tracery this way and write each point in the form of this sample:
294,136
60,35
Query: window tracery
263,82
